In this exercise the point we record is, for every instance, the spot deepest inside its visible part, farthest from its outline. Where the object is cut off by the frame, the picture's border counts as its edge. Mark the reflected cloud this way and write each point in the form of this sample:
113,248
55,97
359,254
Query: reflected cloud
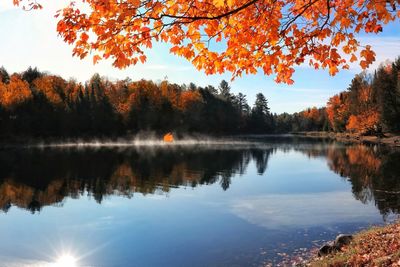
302,210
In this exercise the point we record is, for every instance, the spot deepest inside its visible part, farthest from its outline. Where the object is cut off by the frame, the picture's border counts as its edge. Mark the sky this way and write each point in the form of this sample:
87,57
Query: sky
30,39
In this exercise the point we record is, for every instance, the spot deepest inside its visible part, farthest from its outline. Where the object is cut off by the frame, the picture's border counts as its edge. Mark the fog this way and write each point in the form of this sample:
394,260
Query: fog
148,141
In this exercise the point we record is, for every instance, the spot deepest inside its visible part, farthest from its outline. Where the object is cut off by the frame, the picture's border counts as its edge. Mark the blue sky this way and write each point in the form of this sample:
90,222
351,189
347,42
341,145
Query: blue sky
30,39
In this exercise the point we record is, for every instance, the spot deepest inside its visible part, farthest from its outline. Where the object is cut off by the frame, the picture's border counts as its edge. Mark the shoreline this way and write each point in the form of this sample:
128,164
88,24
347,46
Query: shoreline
389,139
376,246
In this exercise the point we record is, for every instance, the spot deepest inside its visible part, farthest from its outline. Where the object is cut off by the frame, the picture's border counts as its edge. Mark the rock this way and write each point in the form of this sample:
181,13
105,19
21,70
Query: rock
342,240
326,249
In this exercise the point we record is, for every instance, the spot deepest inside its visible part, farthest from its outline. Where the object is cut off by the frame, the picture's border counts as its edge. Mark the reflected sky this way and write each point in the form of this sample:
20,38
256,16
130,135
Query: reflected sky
193,206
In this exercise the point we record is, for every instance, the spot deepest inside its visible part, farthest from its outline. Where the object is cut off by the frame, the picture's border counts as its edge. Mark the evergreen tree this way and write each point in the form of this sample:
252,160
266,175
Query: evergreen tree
4,76
386,97
225,90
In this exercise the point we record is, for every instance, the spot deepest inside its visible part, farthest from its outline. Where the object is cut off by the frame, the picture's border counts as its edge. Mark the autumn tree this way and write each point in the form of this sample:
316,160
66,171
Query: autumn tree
15,93
14,97
371,103
364,117
238,36
311,119
337,111
52,87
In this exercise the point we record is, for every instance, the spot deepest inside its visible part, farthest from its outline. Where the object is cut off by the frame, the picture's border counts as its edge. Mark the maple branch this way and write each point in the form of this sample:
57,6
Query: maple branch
291,21
194,18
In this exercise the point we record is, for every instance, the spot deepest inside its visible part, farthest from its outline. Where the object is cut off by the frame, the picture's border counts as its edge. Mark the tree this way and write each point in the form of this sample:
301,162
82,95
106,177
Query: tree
211,89
225,90
31,74
261,105
261,119
337,111
272,36
241,102
386,89
4,76
15,92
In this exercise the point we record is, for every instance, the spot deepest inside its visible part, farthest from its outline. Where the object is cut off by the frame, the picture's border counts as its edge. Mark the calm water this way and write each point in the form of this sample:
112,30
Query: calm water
241,204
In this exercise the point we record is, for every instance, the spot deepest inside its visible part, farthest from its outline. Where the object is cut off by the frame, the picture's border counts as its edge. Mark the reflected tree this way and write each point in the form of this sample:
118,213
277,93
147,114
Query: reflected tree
372,171
32,179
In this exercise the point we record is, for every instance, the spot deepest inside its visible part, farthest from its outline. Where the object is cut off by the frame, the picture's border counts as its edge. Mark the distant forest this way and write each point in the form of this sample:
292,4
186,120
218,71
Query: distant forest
37,104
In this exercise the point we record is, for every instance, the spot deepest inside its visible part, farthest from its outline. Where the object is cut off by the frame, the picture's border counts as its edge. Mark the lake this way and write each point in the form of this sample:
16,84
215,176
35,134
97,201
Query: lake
246,202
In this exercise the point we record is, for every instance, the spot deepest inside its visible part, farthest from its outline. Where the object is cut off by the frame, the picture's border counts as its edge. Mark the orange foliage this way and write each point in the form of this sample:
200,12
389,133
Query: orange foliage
15,92
363,122
336,110
123,30
118,93
332,105
312,114
143,88
170,92
168,138
363,155
72,90
188,98
51,87
365,94
353,123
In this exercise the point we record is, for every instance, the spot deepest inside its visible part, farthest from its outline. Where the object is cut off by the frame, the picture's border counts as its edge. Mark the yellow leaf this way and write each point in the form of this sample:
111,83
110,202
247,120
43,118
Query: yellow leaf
219,3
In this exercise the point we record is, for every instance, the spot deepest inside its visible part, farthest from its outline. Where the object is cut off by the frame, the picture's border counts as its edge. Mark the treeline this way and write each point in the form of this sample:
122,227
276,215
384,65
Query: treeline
37,104
370,105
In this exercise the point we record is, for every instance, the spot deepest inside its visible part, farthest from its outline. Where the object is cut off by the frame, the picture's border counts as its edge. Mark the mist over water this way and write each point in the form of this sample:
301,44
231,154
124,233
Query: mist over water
150,141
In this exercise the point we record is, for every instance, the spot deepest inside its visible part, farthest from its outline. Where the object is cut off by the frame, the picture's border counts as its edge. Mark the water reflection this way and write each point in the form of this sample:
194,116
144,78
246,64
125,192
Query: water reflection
32,179
374,174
